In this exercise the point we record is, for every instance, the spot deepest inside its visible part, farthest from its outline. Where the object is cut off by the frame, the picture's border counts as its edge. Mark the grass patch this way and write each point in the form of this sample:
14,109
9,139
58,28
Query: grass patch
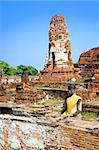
51,102
82,80
89,115
97,98
54,104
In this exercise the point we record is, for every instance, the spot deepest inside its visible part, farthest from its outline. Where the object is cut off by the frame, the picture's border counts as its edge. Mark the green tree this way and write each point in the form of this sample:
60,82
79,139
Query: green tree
9,70
22,68
31,70
5,66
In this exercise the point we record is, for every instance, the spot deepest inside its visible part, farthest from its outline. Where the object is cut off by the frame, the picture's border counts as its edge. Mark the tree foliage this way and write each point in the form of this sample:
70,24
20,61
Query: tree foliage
22,68
5,67
9,70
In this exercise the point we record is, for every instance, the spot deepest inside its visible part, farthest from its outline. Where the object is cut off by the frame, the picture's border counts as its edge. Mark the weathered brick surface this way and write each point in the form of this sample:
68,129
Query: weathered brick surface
89,66
82,139
39,135
19,95
59,65
29,96
91,106
90,57
86,94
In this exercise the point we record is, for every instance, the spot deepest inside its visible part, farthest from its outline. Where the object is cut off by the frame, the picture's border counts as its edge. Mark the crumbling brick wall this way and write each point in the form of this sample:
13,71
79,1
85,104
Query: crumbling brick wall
29,96
80,139
46,135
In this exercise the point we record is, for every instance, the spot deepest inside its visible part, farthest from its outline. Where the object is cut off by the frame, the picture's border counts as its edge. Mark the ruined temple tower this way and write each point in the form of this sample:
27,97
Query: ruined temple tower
59,65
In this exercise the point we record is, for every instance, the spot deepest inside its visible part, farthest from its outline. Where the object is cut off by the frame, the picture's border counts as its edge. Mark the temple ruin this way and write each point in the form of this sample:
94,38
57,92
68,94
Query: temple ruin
30,111
59,65
89,61
89,65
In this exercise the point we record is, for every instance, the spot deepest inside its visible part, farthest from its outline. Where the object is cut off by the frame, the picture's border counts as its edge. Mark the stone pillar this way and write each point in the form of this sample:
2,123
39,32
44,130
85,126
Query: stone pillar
25,81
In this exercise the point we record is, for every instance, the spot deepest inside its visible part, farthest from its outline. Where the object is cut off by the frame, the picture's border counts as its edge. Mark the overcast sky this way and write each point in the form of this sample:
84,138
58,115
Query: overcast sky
24,29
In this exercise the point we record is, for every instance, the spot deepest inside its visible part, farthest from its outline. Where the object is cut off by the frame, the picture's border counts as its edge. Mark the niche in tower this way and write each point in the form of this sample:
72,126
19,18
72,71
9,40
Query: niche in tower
6,110
53,59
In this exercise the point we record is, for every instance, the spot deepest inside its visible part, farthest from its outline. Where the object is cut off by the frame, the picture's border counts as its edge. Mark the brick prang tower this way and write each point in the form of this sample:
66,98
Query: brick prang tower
59,66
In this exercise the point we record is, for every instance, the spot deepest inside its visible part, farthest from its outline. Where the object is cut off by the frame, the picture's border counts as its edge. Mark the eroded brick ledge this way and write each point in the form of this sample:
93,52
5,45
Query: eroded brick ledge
48,133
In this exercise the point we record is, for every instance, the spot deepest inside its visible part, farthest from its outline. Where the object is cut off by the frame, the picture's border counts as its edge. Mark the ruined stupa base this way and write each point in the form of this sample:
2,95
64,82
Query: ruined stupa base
59,76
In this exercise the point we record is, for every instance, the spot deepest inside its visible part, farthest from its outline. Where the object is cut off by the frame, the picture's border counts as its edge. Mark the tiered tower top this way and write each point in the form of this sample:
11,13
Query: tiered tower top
57,28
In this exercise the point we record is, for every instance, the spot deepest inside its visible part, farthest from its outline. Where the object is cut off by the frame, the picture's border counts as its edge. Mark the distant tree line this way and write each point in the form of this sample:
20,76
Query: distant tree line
18,70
